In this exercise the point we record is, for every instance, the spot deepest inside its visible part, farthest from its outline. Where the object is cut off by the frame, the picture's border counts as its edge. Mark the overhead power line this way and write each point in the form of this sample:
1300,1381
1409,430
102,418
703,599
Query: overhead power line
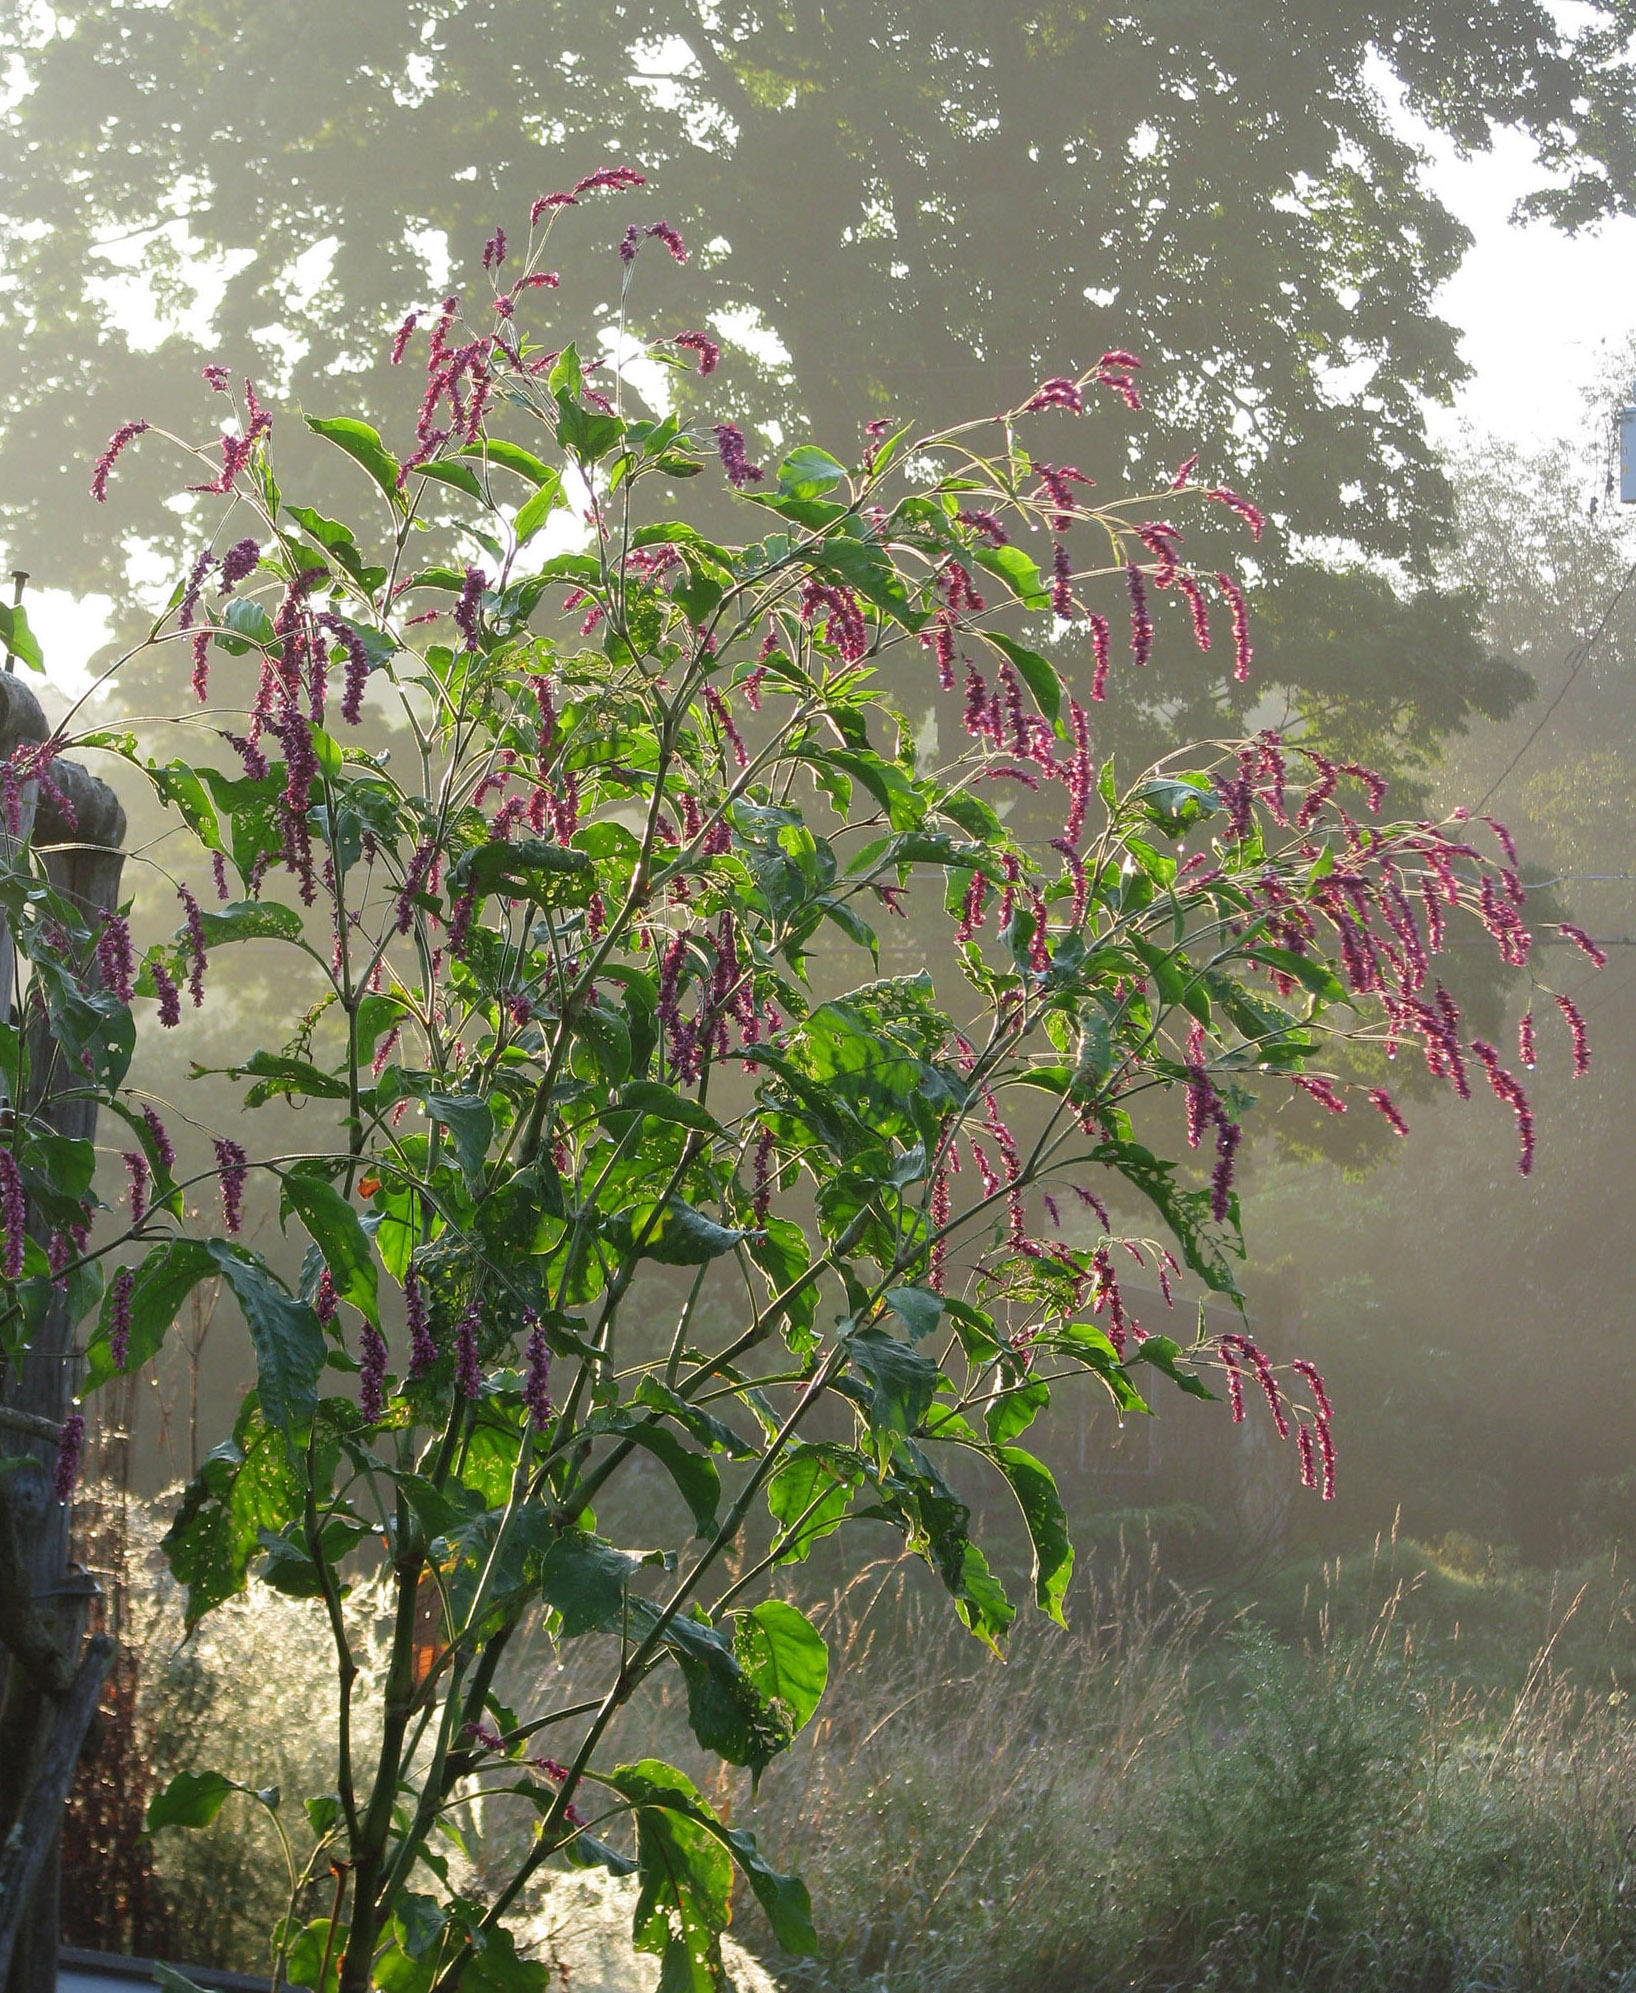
1578,656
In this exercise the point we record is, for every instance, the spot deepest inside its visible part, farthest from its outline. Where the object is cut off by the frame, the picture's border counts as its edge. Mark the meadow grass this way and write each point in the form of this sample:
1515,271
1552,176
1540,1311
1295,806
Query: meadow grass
1414,1772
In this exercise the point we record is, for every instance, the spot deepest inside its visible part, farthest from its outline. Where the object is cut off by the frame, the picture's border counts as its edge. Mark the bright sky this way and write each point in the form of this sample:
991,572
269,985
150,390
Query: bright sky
1540,315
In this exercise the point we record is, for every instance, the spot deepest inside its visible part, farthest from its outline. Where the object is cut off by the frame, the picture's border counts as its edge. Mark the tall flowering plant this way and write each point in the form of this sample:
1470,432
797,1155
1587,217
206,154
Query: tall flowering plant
571,1094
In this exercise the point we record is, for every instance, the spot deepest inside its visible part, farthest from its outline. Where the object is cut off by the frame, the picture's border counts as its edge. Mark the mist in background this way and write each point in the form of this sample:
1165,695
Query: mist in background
916,211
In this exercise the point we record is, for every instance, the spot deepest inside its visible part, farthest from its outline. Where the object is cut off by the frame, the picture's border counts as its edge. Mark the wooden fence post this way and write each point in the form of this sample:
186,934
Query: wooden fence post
83,857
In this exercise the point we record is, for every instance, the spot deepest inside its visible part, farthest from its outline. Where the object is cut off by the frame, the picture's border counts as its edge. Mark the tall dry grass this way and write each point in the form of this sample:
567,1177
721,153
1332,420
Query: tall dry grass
1156,1800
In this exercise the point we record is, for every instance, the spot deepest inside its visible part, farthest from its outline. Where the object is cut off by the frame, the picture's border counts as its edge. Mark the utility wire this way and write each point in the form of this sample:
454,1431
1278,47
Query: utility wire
1579,654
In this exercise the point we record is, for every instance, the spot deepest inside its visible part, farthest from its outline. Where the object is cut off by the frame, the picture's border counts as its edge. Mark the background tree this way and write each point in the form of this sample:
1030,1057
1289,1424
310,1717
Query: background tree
908,205
573,929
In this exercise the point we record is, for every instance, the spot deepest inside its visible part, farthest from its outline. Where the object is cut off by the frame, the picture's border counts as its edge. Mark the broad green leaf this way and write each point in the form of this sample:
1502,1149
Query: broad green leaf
784,1655
470,1122
512,457
1015,1409
537,511
808,472
608,1036
339,1236
93,1027
547,874
660,1103
277,1075
181,786
460,476
250,621
164,1280
917,1308
585,1580
1036,672
936,1525
783,1897
779,1248
246,1485
1018,573
192,1799
1165,1355
288,1341
1036,1492
684,1878
17,639
811,1492
695,1475
1176,803
902,1382
364,446
1309,972
715,1434
725,1710
250,920
678,1236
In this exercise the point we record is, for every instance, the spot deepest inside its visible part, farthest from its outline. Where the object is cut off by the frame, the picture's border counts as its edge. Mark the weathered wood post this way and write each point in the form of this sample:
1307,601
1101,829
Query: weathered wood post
49,1689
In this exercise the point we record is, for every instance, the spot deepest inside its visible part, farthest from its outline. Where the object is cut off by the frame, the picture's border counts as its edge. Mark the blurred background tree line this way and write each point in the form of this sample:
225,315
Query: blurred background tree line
902,210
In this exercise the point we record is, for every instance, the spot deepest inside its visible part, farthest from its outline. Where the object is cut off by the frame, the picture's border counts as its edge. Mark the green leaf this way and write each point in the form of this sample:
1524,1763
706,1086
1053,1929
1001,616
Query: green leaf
695,1475
512,457
902,1382
811,1492
251,621
1085,1343
288,1341
867,570
1018,573
470,1122
917,1308
661,1103
364,446
885,781
531,869
178,784
163,1282
1187,1212
461,476
585,1580
784,1898
1036,1492
537,511
1307,970
780,1250
339,1236
1165,1355
936,1524
94,1027
1176,804
275,1075
246,1485
609,1038
684,1877
1014,1410
192,1799
330,534
808,472
250,920
679,1236
711,1432
784,1656
17,639
1036,672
